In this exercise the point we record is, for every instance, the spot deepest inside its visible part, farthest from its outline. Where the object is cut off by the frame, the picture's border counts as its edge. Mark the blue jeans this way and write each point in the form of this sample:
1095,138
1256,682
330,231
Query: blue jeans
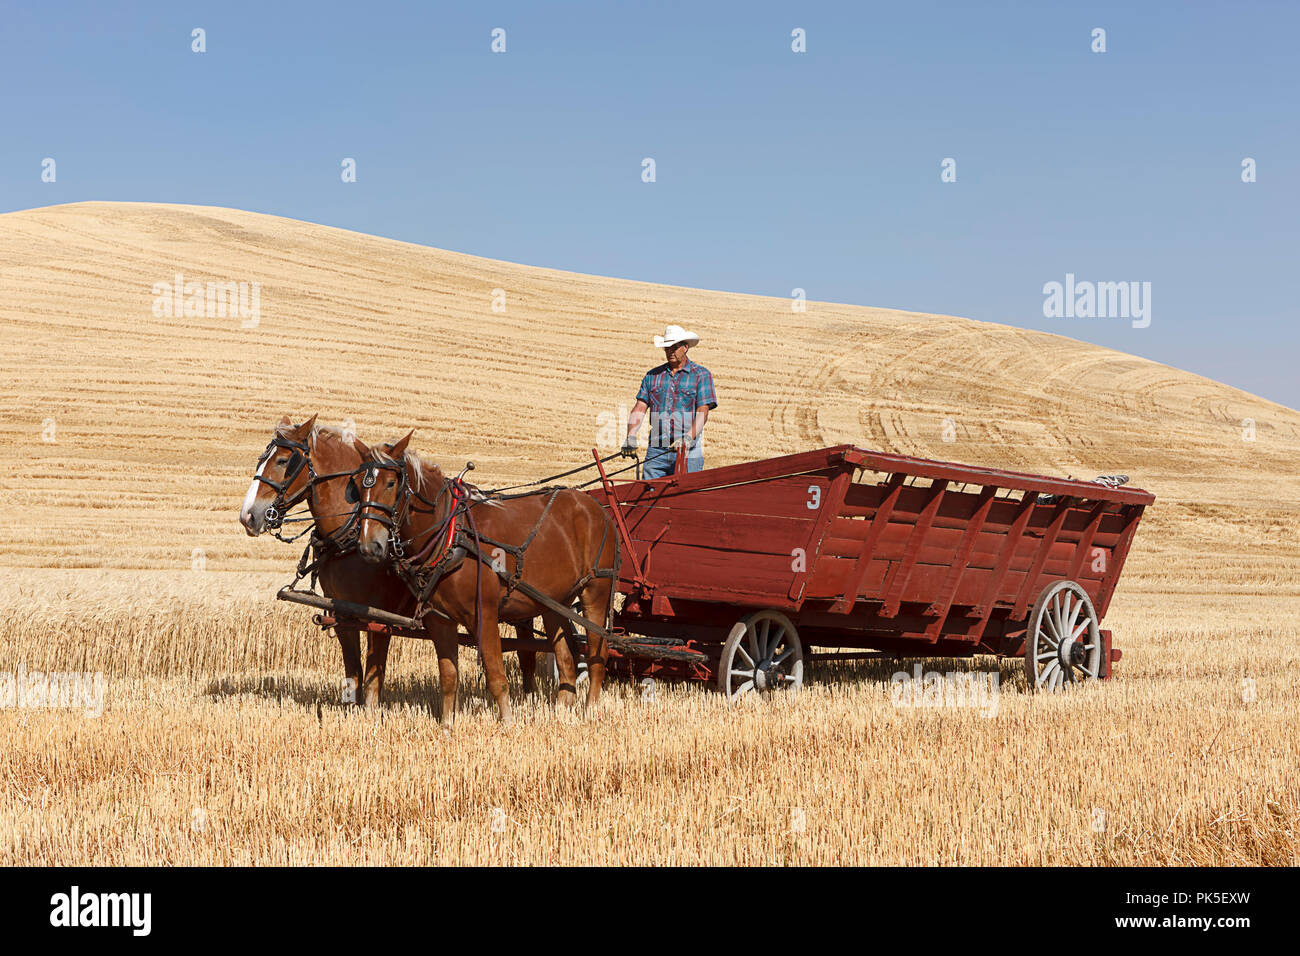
661,461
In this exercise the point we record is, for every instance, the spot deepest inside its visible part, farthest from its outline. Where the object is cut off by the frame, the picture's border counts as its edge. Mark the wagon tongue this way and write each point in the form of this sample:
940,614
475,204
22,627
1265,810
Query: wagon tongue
659,648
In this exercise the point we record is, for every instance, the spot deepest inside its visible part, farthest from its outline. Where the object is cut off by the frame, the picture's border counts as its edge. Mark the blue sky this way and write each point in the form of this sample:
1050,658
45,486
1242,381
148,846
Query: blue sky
775,170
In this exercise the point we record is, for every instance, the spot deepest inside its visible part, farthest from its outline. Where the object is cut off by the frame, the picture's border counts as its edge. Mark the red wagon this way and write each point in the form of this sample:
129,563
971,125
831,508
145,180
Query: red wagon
843,552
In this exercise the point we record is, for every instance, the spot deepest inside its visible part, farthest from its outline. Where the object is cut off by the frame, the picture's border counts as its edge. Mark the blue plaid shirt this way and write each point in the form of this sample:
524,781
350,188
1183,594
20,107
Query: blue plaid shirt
673,400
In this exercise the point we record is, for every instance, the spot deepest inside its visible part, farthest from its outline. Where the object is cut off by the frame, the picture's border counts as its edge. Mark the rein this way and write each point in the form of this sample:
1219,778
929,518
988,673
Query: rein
496,492
348,530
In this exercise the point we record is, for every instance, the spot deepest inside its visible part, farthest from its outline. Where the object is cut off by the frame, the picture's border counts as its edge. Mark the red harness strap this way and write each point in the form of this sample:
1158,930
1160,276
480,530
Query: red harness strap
457,493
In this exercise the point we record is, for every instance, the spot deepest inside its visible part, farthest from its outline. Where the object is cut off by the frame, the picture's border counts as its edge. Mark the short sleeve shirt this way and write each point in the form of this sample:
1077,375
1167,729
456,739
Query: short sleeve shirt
673,399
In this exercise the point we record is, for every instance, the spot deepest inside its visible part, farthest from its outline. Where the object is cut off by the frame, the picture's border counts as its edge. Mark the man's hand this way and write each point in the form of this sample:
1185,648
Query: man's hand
629,448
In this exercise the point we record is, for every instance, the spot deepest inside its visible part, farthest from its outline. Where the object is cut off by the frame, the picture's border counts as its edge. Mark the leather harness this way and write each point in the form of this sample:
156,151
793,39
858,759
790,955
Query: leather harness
422,577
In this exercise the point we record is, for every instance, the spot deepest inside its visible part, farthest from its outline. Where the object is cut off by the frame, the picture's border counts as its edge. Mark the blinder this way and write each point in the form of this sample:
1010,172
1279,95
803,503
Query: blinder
298,458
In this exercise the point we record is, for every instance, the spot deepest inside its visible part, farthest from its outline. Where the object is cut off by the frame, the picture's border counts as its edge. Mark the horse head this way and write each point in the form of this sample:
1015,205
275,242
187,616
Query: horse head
280,479
386,475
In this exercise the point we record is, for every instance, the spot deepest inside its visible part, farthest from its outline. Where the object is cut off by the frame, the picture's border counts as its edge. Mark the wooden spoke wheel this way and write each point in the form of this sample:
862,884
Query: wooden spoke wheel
1063,642
762,653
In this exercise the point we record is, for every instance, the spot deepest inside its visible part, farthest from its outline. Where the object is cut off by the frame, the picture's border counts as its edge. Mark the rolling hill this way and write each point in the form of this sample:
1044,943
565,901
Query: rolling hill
130,429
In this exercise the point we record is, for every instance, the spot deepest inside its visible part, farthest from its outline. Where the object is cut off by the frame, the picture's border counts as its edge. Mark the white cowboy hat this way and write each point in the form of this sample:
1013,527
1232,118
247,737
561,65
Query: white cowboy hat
674,335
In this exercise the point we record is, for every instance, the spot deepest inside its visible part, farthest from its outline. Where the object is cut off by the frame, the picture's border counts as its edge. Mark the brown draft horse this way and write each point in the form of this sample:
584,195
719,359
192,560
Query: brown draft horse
409,507
317,463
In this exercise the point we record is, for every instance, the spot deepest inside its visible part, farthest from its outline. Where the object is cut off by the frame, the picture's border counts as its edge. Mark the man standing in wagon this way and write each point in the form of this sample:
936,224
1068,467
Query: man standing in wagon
679,396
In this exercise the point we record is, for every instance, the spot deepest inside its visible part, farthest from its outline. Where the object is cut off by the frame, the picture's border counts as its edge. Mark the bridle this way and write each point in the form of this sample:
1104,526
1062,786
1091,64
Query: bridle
390,516
277,511
394,516
300,456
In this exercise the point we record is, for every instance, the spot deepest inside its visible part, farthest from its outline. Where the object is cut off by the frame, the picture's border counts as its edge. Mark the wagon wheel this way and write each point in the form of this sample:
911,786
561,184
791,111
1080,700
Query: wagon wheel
1063,642
762,653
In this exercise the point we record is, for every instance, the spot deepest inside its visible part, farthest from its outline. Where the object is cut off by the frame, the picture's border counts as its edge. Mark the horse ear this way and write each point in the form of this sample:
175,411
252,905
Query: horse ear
399,448
284,420
363,449
306,427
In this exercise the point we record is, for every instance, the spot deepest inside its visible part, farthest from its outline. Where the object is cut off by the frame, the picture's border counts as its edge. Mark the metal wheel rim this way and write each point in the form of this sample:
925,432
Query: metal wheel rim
762,654
1063,640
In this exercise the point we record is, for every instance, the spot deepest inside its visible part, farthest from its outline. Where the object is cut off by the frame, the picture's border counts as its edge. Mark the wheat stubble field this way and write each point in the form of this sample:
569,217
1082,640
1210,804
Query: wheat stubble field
223,740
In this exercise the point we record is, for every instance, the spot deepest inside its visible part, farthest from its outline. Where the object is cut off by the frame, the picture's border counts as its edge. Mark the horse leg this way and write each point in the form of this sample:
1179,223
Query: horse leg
446,643
350,643
376,661
527,659
595,607
494,667
567,669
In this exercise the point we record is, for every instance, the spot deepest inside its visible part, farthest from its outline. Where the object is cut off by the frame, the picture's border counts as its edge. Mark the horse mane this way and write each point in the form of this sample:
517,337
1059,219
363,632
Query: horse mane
283,430
412,457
